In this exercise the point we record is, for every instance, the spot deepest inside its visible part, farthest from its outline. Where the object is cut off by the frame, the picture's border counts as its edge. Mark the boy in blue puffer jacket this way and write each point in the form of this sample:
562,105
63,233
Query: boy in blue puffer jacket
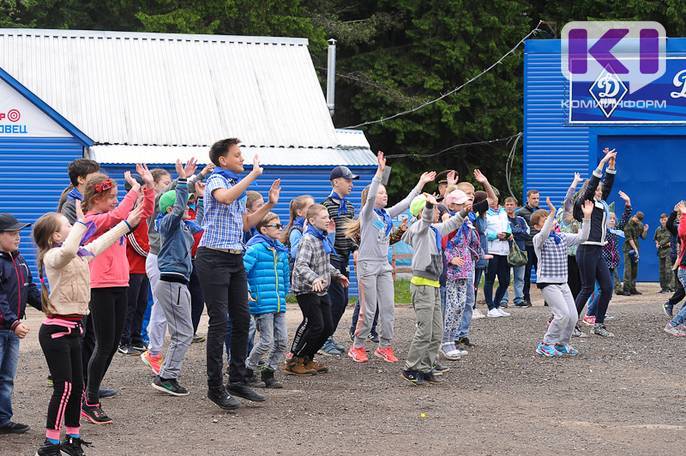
266,265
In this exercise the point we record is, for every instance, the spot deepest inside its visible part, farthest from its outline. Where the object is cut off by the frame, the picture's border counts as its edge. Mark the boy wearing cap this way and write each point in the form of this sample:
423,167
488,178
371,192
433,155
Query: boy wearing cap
425,237
634,230
175,265
16,289
341,211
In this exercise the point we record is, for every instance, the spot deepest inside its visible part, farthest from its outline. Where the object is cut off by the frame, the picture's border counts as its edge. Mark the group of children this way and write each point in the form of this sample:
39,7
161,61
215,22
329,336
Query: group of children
206,240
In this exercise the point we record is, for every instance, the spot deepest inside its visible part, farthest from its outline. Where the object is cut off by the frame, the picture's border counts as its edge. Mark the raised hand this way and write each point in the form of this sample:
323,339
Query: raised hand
430,199
146,175
79,211
257,170
191,166
131,181
479,176
452,177
625,197
275,192
427,177
587,208
577,179
134,217
381,163
207,169
550,205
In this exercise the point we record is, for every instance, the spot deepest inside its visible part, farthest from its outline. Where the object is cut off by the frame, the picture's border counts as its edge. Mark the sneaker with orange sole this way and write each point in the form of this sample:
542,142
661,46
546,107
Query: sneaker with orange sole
358,354
386,353
154,362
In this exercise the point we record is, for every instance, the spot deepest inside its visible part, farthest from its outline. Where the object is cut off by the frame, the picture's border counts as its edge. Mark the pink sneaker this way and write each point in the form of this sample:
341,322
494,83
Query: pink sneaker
154,362
589,320
386,353
359,355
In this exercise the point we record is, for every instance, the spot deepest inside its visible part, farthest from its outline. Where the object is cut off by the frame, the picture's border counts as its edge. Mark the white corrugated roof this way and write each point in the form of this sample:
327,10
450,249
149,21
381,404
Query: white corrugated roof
157,90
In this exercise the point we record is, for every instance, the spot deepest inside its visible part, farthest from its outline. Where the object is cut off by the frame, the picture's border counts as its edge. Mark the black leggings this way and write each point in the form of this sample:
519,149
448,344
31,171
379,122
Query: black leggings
499,266
63,354
316,327
108,311
679,292
531,262
137,303
592,267
197,300
573,278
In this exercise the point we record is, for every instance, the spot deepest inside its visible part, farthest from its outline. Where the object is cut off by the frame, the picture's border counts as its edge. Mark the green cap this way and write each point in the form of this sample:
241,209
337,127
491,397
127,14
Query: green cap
417,204
167,200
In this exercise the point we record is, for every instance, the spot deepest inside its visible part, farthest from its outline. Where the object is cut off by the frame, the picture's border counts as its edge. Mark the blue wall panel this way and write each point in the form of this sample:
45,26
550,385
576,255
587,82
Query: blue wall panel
295,181
33,173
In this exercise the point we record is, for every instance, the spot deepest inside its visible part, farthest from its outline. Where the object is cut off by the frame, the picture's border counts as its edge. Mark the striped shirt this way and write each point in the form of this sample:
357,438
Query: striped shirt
223,223
343,246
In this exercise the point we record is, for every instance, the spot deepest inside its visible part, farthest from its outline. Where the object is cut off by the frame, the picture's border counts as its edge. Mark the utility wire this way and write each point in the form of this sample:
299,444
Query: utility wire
456,89
457,146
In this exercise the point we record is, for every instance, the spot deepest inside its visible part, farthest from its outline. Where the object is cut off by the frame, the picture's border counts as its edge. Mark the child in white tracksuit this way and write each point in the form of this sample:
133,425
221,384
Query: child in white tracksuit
551,274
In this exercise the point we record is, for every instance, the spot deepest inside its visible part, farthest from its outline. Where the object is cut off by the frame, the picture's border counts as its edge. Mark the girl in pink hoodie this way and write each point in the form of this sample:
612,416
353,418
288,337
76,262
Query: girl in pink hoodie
109,278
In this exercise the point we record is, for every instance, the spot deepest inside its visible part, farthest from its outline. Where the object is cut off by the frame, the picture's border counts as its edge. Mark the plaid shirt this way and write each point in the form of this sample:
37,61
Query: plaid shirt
312,263
552,256
223,223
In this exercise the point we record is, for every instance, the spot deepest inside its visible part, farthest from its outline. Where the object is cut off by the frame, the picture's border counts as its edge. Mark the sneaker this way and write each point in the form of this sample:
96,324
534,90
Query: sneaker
668,309
154,362
577,332
449,352
94,414
477,314
504,305
340,347
566,350
250,377
547,350
589,320
493,313
244,391
104,393
386,353
197,339
170,386
139,347
223,399
126,350
374,337
600,330
329,349
49,449
358,354
502,312
674,330
14,428
71,446
431,377
414,377
521,304
439,369
461,350
527,302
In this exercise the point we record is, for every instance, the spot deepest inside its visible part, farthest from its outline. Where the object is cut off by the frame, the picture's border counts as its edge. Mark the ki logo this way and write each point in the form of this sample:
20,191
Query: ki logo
608,91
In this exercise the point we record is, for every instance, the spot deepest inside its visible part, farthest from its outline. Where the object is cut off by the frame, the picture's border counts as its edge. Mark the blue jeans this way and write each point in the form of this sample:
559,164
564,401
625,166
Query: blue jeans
593,300
468,309
9,358
680,318
442,291
518,273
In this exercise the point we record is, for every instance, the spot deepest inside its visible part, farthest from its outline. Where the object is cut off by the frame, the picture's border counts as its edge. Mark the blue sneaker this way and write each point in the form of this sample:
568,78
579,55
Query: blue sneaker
330,349
566,350
547,350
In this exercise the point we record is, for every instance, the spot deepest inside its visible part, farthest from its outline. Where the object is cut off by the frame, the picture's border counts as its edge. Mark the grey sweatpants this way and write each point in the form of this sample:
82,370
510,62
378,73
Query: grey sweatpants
376,289
428,332
561,302
175,300
272,330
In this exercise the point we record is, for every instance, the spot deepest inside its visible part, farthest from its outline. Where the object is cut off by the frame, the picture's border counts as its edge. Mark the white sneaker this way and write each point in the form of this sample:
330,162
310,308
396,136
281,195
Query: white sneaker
477,314
502,312
493,313
449,352
462,351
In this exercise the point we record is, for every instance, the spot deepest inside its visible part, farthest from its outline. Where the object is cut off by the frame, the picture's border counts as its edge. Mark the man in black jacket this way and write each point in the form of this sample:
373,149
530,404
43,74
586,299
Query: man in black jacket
532,199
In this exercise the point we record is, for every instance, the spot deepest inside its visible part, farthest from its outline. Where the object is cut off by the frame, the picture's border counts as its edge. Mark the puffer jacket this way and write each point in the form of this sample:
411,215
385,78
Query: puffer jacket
268,278
16,289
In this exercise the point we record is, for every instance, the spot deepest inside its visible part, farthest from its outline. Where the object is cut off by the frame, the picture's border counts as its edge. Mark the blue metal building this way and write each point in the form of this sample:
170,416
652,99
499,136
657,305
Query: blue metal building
122,98
565,130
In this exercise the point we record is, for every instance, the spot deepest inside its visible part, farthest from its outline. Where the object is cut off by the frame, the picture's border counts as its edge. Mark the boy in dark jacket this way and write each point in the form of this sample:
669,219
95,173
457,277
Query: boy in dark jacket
16,289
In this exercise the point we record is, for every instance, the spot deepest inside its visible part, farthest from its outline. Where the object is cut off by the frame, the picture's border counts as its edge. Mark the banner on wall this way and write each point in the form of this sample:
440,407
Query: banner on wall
608,100
21,118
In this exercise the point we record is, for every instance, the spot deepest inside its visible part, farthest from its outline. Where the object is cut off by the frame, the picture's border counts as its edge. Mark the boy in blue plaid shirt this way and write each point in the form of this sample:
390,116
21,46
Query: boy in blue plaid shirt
551,273
219,263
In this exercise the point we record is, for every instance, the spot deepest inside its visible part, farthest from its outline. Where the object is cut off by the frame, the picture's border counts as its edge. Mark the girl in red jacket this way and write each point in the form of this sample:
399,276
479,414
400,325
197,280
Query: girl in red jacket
109,276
